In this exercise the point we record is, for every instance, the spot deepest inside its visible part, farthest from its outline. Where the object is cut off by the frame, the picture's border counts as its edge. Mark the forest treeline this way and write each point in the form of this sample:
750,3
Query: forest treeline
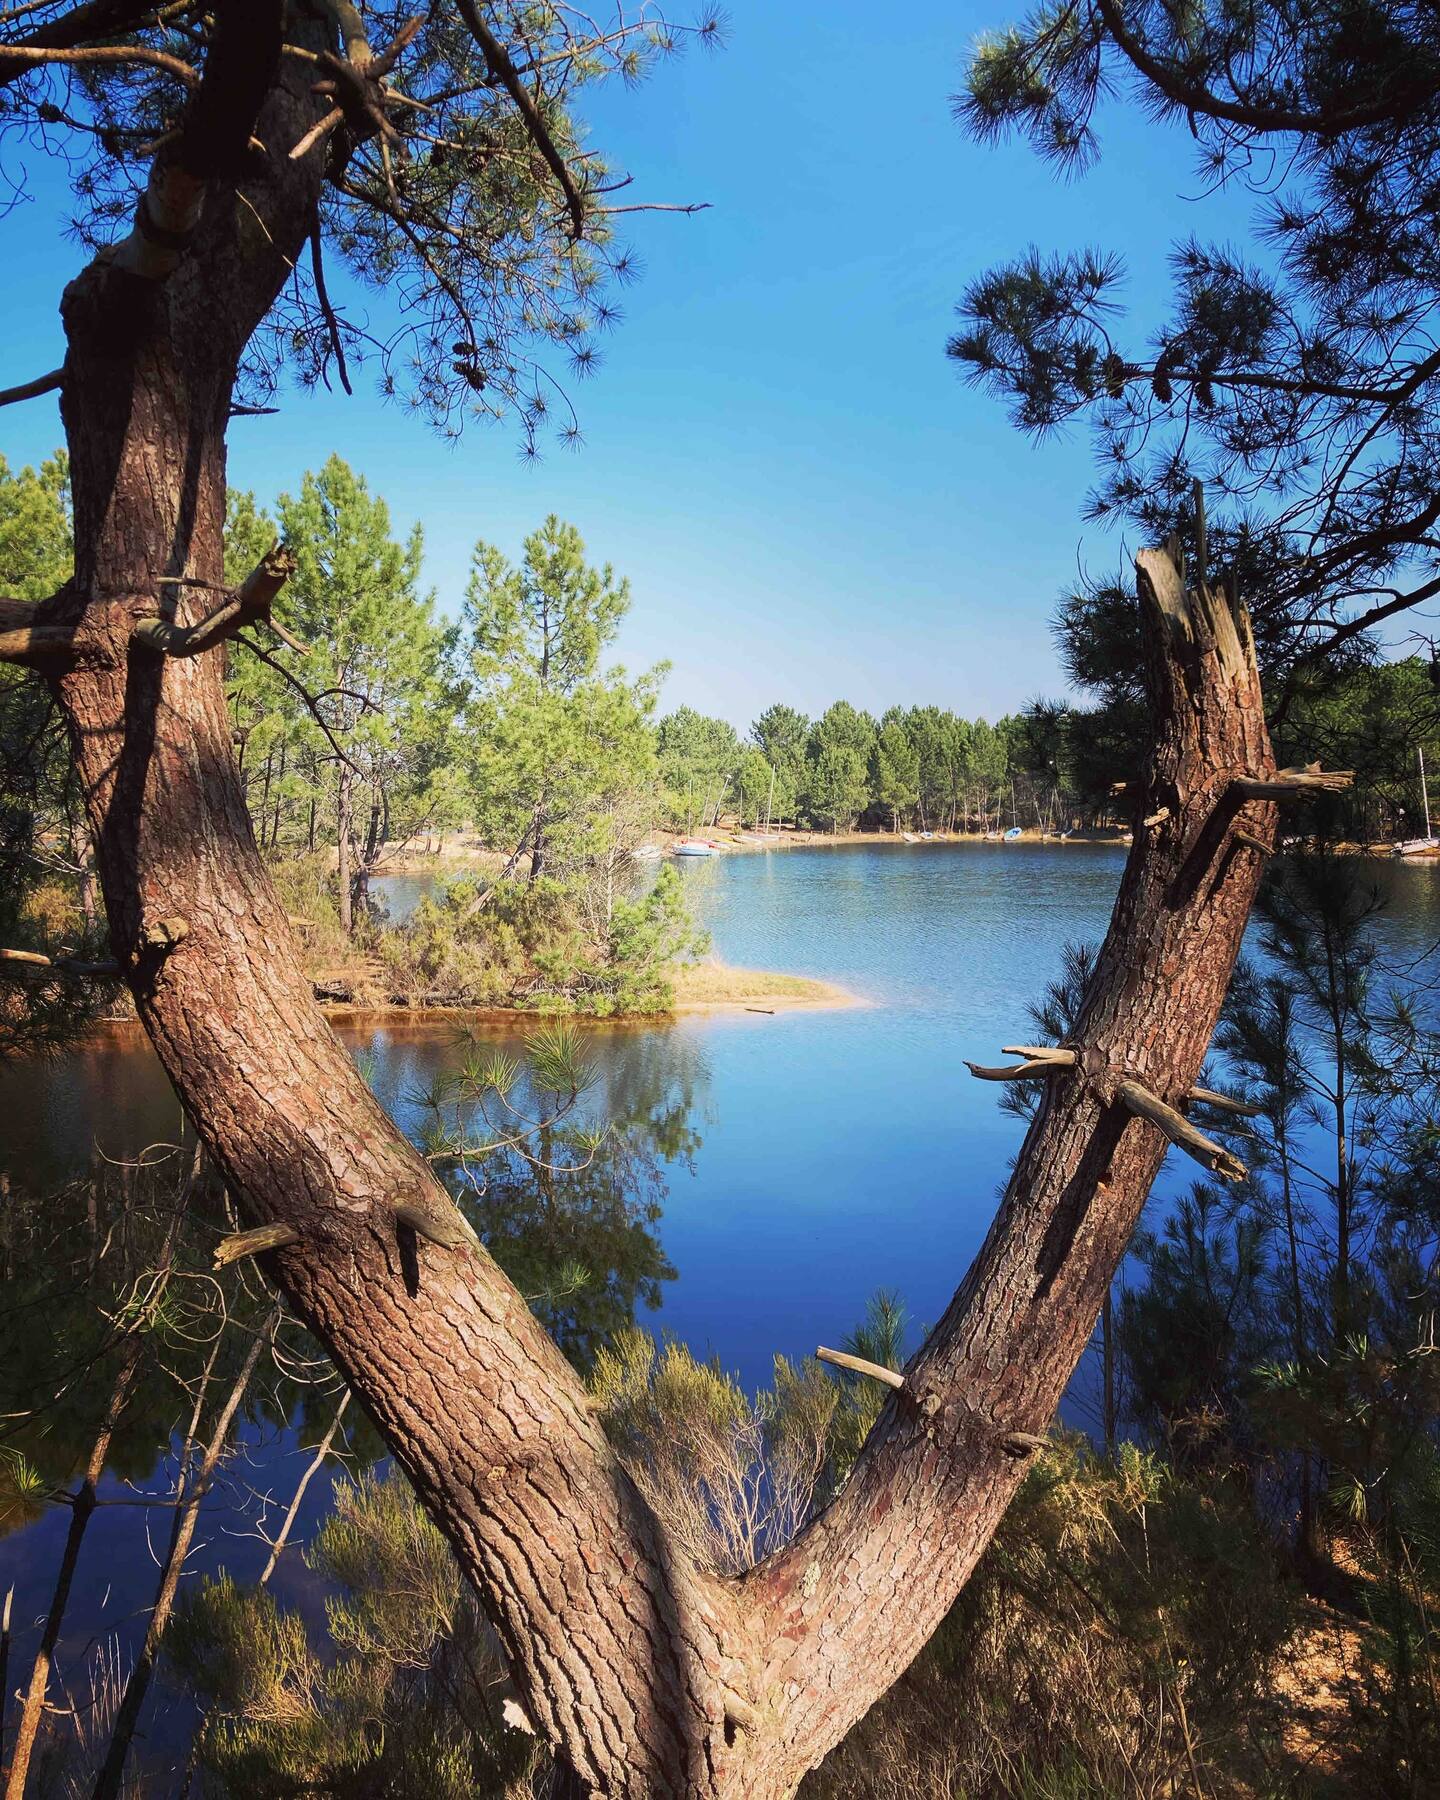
502,713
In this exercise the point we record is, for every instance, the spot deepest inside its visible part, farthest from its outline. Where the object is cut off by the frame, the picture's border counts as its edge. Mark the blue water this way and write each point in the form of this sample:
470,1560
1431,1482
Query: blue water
810,1158
851,1150
838,1151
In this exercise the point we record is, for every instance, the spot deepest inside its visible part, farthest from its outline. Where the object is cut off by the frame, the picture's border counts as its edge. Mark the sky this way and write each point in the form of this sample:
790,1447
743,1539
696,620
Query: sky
809,502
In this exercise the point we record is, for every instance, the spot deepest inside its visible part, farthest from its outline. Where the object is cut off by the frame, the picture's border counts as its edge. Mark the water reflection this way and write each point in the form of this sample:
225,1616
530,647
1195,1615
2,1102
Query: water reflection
760,1179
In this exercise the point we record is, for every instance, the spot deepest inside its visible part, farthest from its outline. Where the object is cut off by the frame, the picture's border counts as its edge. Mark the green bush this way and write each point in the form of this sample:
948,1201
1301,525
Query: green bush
537,945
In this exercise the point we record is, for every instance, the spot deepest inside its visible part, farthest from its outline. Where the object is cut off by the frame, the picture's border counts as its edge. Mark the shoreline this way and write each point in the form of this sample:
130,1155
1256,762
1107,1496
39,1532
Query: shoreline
460,860
702,990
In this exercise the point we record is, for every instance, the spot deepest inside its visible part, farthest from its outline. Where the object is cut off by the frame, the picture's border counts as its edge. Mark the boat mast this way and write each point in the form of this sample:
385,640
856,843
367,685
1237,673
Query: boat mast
1424,791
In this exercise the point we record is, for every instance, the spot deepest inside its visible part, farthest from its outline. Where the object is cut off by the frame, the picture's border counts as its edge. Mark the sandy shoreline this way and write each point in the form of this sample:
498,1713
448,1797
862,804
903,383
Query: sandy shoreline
712,987
702,989
458,856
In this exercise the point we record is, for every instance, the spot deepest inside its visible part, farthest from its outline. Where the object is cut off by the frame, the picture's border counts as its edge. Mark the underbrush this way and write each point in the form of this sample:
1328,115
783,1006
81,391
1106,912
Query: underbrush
1120,1636
540,945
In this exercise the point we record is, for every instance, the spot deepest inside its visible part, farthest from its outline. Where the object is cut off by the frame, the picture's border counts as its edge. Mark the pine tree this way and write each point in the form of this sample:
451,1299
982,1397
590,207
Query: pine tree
1299,383
380,658
558,744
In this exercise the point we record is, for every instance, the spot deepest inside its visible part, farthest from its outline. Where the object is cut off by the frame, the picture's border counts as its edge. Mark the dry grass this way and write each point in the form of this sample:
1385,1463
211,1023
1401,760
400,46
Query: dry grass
708,984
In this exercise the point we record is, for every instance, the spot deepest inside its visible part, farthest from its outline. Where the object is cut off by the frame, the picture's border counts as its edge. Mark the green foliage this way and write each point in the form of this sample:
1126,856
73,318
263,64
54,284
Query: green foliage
562,751
36,552
699,758
536,946
878,1338
403,1699
380,657
1283,1337
781,734
1194,1328
44,864
1116,1637
482,293
1267,378
731,1477
896,768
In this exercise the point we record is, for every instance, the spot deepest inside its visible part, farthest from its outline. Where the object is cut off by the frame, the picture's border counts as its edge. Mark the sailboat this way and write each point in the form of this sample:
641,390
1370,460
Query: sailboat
1418,846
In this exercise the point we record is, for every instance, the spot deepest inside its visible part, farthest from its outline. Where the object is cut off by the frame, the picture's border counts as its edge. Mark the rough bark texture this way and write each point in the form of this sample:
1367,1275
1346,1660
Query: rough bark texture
626,1653
855,1597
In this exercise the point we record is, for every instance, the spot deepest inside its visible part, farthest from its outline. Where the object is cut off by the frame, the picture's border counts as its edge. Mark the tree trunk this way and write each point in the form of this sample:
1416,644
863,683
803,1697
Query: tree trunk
634,1663
344,820
654,1678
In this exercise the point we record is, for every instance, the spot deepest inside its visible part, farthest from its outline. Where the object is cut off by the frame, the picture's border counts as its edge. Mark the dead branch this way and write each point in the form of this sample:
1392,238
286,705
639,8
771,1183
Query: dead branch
252,600
312,1468
1180,1131
30,390
114,54
1034,1070
1223,1103
876,1371
332,324
28,962
34,646
312,701
1286,784
503,70
450,1230
254,1243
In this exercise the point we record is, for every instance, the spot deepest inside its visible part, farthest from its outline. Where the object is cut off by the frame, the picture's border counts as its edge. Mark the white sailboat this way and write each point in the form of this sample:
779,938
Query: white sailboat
1418,846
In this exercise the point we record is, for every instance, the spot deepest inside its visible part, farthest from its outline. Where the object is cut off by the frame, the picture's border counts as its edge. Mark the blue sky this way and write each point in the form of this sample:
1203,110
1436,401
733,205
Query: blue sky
808,501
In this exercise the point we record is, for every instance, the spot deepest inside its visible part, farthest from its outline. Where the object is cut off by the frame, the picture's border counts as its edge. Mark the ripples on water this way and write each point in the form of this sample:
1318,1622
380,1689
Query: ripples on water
838,1151
776,1170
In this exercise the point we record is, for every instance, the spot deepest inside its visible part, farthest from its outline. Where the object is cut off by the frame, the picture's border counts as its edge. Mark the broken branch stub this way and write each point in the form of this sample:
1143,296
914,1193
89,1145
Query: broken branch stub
254,1242
1185,1136
32,962
1034,1070
1290,784
38,646
450,1230
1224,1103
252,600
858,1365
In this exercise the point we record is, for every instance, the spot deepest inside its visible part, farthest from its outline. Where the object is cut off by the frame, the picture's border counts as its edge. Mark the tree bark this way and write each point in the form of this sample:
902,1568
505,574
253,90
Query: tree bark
653,1678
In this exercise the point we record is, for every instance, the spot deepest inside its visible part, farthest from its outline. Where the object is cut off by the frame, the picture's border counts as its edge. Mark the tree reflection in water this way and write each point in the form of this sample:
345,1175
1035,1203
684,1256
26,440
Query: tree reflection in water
562,1170
132,1399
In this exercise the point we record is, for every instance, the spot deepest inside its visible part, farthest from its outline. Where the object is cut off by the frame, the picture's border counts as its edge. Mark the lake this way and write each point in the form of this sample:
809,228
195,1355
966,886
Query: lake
769,1175
829,1153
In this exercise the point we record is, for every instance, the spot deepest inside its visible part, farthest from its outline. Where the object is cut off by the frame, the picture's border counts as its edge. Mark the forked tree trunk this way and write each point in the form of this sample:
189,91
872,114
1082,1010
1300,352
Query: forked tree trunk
654,1678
